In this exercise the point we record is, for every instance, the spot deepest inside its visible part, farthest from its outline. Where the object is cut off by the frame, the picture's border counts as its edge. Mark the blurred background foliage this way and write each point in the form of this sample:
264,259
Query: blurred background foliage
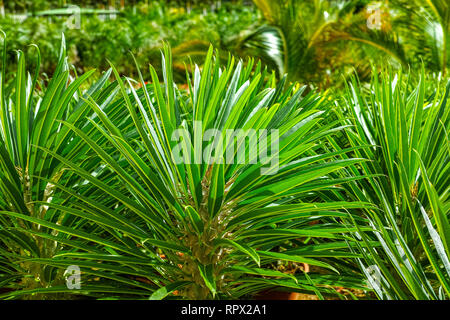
316,42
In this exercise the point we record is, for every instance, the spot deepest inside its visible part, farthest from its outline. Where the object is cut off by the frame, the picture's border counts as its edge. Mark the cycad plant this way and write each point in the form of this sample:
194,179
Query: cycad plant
30,115
166,203
25,123
408,130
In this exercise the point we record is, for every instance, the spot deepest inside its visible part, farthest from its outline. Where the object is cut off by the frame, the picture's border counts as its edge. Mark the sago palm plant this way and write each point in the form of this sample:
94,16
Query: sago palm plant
30,115
174,206
408,130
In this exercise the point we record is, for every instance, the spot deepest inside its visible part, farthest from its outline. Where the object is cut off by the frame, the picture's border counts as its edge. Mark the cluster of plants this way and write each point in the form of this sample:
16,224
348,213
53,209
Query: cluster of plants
356,207
319,43
51,4
139,29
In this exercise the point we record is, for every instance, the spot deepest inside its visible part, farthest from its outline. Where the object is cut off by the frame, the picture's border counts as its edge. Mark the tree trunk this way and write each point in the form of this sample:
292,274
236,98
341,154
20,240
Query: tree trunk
2,8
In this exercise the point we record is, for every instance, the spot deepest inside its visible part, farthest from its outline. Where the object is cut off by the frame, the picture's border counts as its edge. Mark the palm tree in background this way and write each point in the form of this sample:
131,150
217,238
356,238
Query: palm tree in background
424,27
311,40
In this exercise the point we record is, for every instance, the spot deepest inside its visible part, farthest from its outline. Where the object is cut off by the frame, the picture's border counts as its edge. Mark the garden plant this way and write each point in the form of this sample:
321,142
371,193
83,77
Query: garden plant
232,170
